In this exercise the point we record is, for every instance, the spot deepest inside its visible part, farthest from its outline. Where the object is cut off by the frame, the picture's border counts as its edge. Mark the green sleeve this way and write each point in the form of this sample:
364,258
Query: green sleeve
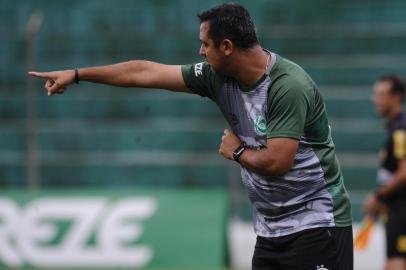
288,107
201,79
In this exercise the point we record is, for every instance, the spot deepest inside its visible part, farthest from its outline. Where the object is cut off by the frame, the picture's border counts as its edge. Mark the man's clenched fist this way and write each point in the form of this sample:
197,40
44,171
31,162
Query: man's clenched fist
229,142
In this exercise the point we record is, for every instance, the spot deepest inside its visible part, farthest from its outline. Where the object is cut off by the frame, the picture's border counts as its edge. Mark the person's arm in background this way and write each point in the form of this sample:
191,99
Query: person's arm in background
373,202
398,181
135,73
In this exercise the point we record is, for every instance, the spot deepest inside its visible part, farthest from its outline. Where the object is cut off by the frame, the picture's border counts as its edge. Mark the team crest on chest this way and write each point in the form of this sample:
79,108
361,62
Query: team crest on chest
255,112
260,125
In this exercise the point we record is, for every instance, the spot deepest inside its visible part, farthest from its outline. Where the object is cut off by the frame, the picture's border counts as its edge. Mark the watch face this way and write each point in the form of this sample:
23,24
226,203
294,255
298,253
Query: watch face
237,152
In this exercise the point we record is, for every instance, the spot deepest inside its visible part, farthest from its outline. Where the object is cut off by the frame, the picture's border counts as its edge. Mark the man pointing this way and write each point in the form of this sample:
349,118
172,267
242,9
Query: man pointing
279,134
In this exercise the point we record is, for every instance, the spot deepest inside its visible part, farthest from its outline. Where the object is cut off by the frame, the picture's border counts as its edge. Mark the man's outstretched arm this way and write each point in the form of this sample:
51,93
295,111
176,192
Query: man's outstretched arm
135,73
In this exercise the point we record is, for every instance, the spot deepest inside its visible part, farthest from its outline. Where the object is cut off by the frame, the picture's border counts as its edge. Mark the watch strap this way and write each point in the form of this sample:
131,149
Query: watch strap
238,151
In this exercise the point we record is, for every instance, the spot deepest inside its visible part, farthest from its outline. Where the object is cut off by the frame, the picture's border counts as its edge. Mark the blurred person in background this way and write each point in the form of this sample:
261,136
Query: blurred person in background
279,134
390,196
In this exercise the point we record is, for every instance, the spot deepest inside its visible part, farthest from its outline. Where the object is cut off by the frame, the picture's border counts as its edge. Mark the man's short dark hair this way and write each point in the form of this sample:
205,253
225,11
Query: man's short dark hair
230,21
397,84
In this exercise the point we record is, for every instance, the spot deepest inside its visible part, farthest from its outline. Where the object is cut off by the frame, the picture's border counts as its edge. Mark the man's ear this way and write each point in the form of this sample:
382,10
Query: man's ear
227,47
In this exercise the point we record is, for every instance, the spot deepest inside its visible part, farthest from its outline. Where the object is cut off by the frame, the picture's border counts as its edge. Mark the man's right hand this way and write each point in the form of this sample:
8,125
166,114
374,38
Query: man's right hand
57,81
135,73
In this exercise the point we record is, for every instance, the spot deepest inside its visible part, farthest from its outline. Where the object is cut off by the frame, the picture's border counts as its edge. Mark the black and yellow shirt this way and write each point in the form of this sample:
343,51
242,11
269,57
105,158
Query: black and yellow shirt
394,151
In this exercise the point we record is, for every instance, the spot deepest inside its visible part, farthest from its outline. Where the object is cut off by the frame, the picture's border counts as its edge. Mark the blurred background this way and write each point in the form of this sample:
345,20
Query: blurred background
115,178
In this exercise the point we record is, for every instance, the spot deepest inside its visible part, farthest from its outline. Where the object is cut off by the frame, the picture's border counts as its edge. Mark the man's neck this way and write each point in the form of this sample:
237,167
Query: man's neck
250,66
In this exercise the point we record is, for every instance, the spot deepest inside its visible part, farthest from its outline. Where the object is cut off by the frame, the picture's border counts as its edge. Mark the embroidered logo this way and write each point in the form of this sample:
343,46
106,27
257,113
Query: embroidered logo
321,267
260,125
199,69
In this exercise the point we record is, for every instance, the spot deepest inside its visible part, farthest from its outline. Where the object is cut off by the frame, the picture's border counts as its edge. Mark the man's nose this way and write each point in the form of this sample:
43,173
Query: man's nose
202,51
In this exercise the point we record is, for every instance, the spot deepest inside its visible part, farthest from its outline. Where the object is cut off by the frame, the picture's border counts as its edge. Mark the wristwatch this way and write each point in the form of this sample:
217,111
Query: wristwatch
238,151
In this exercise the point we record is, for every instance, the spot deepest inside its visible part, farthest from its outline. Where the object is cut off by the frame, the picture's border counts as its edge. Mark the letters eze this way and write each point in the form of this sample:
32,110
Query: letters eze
23,231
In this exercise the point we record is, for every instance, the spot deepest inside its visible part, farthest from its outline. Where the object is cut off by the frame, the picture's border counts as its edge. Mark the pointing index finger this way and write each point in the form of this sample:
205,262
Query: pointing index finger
39,74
